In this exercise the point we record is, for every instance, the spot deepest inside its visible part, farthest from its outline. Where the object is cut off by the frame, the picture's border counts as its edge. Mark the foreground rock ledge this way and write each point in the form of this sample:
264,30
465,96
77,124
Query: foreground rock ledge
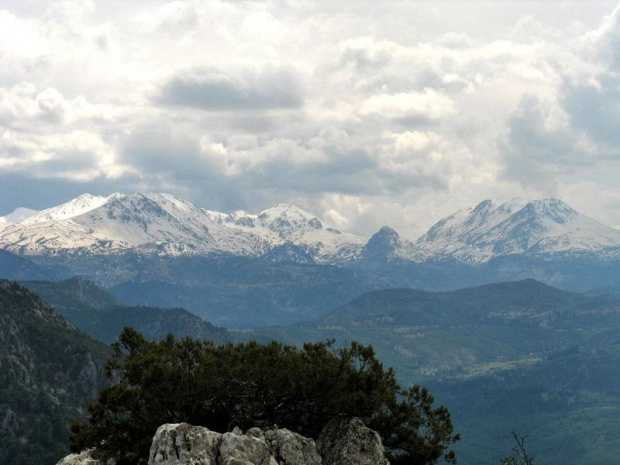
343,441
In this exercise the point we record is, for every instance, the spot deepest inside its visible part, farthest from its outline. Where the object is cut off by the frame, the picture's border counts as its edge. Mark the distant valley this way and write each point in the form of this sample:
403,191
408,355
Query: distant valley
510,355
519,355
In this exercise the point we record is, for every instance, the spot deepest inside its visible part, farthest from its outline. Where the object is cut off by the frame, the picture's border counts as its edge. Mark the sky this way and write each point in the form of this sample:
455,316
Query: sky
364,113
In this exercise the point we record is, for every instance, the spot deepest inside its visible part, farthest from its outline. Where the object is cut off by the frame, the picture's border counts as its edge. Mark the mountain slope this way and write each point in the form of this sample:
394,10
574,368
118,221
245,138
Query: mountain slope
387,245
287,223
75,207
455,333
101,316
162,224
17,216
537,228
19,268
49,370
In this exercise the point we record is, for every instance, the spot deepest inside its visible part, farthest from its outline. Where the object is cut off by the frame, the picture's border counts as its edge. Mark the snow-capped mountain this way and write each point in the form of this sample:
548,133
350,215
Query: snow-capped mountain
154,223
17,216
162,224
287,223
166,225
505,227
82,204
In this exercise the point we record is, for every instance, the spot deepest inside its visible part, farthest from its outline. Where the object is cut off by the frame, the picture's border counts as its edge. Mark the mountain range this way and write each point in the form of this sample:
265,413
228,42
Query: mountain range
165,225
285,265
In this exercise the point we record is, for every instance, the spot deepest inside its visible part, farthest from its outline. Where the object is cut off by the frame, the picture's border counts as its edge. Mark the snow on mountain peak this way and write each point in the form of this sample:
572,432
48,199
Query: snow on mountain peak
288,223
165,224
17,216
516,226
70,209
288,220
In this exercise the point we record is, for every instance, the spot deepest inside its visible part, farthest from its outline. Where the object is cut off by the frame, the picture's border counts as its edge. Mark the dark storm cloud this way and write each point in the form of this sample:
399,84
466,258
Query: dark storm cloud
215,90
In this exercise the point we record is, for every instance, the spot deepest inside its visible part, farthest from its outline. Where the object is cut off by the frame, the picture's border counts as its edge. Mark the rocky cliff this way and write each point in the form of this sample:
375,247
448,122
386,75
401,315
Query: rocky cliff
343,441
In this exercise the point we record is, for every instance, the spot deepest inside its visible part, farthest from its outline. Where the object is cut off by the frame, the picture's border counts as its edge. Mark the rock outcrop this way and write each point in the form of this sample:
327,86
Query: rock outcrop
343,441
183,444
349,441
83,458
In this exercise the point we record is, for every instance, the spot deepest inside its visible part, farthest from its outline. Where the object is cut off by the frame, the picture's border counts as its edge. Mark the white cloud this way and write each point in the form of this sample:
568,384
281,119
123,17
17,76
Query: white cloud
19,40
428,104
392,113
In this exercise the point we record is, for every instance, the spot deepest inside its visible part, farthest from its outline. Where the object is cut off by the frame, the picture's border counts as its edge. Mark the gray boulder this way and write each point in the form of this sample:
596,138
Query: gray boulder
239,449
347,441
290,448
181,444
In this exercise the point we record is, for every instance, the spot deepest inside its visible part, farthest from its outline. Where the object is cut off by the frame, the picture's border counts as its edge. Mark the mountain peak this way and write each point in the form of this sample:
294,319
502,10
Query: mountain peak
388,245
289,223
516,226
18,215
75,207
285,210
163,224
551,208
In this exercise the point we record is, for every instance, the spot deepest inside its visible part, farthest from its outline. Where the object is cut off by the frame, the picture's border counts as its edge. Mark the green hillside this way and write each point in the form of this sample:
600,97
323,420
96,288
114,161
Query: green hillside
519,355
103,317
49,370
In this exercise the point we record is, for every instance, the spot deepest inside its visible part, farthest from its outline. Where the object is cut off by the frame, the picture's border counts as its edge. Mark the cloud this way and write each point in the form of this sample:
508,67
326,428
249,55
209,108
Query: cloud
596,110
604,41
172,17
216,90
540,144
428,105
391,113
19,39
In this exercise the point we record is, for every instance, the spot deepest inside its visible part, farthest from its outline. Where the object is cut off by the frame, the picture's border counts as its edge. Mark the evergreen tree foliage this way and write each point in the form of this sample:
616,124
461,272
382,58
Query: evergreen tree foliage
252,384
